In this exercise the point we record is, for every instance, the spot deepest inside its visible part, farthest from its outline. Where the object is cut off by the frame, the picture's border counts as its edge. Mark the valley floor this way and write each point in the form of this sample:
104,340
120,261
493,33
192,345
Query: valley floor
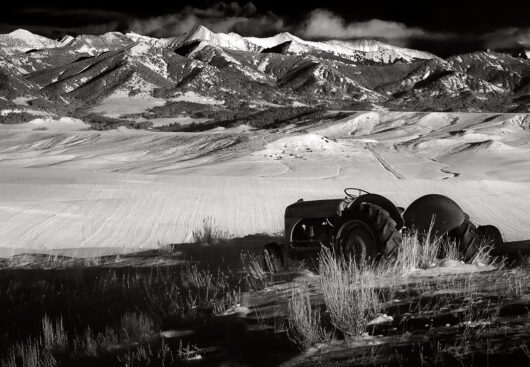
63,186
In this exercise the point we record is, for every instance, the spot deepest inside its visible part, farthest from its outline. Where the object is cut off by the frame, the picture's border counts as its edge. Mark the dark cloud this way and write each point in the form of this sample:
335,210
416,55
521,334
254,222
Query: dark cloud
221,17
71,18
56,23
368,20
508,38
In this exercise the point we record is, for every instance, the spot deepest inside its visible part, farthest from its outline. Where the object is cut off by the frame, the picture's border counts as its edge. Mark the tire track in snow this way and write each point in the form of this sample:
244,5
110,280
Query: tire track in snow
446,170
384,163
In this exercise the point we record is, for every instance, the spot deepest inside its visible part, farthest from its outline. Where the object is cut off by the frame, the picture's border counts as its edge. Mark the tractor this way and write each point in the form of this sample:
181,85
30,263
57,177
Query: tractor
368,227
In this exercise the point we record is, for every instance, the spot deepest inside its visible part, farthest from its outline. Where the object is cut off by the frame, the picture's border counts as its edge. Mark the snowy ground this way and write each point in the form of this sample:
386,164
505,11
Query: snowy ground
122,104
67,187
193,97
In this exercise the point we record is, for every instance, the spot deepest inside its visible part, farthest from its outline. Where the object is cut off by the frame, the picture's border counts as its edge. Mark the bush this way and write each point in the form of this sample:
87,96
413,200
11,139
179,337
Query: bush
54,335
209,234
136,326
305,328
16,118
99,122
349,293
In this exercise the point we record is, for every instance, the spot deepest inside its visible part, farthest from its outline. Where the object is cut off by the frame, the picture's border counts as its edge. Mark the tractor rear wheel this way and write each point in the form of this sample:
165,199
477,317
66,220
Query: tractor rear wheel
366,234
490,235
467,240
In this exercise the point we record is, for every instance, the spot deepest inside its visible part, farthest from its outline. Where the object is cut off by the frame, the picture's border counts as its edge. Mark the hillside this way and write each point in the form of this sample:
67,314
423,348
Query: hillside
92,75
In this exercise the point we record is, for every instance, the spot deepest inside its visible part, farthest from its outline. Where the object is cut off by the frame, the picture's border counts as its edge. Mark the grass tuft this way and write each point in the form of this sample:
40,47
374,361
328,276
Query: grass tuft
54,336
209,234
305,327
349,292
136,327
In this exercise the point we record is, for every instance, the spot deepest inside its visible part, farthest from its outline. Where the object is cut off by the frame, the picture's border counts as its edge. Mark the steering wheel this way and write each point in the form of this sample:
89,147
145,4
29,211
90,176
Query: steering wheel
350,194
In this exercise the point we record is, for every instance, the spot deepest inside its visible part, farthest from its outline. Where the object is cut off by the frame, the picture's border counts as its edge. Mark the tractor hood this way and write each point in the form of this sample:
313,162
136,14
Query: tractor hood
313,209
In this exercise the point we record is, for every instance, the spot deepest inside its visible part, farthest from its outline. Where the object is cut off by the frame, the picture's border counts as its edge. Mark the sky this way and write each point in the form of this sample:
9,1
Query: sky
445,27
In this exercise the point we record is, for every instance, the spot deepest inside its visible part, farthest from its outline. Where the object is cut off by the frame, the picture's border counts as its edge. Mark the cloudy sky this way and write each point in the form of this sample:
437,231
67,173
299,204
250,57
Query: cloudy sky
443,27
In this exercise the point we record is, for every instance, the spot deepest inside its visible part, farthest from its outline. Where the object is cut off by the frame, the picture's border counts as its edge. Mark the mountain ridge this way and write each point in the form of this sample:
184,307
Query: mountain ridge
80,74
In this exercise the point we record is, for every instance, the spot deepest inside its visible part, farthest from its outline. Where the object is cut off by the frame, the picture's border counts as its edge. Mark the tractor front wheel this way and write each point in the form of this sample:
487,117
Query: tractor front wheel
366,234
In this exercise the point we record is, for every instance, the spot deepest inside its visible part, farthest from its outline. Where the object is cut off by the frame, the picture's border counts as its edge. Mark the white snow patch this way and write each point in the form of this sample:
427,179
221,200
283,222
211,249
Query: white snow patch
62,124
358,125
120,103
381,319
193,97
450,267
237,310
298,104
300,145
22,100
262,66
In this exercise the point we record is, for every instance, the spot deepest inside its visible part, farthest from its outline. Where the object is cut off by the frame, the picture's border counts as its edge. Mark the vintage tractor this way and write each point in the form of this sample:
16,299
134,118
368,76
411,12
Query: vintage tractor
367,226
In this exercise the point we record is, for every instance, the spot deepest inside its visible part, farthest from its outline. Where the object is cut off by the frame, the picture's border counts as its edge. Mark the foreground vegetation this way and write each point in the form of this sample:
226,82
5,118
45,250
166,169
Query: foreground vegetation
214,302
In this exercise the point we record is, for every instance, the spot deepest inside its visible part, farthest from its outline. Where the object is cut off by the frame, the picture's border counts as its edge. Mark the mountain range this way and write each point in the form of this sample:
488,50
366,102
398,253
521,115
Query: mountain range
226,76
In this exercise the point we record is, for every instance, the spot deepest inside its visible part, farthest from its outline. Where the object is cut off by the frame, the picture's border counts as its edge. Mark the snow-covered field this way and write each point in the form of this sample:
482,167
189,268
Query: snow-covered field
195,98
121,103
67,187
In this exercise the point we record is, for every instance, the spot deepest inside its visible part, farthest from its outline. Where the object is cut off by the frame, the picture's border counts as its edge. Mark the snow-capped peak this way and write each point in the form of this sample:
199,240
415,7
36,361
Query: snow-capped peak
66,40
21,40
378,51
231,41
141,38
198,32
201,32
373,46
270,42
26,35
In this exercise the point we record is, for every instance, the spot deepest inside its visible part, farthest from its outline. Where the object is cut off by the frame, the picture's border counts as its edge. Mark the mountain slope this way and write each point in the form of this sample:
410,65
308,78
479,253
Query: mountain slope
251,74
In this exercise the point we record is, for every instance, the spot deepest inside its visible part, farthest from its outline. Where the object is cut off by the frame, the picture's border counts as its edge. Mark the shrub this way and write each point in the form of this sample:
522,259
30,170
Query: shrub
416,252
33,354
349,293
253,266
100,122
305,327
88,344
209,234
54,336
136,326
16,118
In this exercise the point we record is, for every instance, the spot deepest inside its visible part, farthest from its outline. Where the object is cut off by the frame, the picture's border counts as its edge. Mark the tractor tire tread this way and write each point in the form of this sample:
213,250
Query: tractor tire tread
384,227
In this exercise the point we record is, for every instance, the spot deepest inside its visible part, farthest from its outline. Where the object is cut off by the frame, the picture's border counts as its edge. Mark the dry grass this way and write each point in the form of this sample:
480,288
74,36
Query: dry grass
39,352
190,291
136,327
88,344
253,267
54,336
207,288
421,252
349,293
305,327
29,354
256,276
209,233
53,344
145,355
526,350
188,352
354,294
